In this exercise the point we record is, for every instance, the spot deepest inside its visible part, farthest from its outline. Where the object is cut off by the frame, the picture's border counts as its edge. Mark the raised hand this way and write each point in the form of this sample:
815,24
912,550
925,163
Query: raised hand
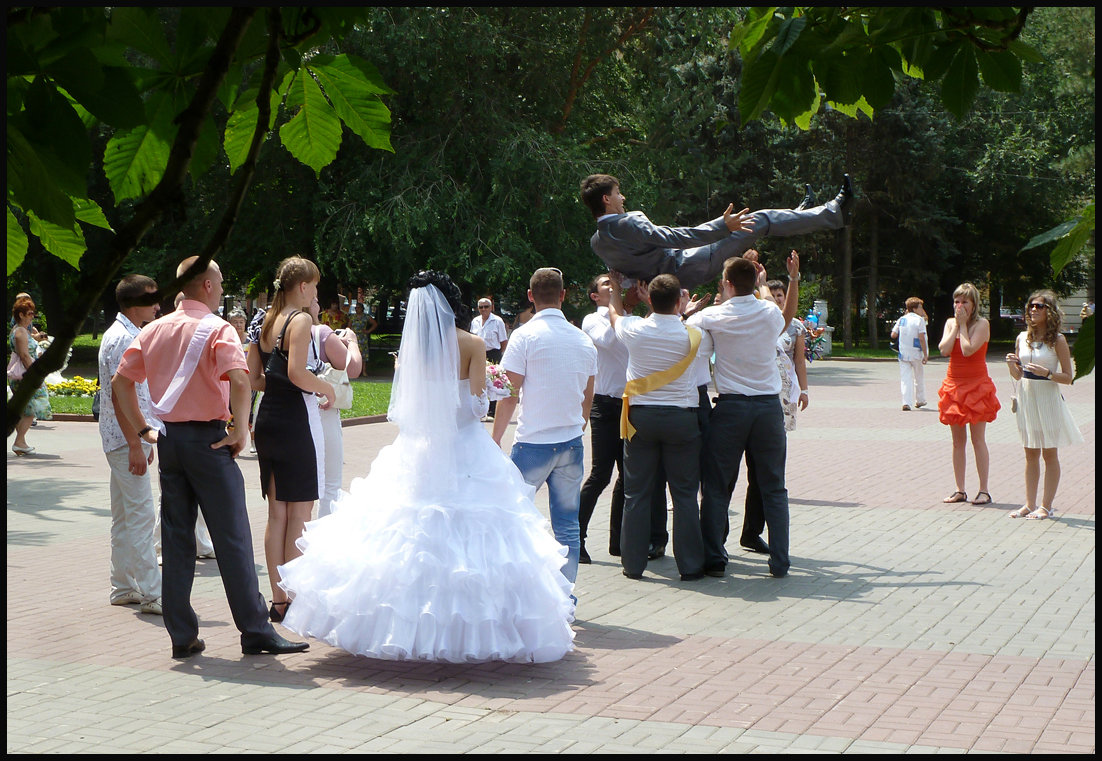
738,222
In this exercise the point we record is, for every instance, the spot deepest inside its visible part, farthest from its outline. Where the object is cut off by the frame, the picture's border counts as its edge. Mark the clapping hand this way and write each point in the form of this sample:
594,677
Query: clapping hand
696,303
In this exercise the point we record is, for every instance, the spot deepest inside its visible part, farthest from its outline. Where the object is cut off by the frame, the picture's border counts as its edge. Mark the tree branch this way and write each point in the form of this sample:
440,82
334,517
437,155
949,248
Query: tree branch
146,214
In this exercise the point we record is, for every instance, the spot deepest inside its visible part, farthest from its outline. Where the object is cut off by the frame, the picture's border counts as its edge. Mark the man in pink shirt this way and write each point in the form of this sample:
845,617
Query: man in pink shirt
197,467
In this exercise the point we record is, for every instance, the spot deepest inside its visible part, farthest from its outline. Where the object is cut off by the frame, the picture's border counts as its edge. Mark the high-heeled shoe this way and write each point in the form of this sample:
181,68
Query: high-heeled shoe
275,615
21,451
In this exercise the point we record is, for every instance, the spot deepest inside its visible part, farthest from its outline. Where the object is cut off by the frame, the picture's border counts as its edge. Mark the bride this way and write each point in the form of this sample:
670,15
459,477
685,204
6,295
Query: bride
439,553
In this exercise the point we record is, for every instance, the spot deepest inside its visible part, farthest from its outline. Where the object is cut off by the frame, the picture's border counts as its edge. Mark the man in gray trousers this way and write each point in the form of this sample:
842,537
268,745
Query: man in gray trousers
630,243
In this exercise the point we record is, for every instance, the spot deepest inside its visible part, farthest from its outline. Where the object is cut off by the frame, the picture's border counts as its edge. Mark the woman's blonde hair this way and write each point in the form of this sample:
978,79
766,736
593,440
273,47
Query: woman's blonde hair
972,293
290,272
1053,318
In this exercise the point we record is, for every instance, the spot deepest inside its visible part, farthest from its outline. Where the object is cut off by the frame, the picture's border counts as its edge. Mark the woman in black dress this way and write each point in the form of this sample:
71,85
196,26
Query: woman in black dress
289,440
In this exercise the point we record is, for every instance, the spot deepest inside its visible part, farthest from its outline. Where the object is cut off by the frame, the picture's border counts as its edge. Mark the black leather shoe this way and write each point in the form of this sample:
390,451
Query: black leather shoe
653,552
692,576
809,199
777,574
583,556
186,651
718,571
614,551
255,644
757,544
635,576
848,199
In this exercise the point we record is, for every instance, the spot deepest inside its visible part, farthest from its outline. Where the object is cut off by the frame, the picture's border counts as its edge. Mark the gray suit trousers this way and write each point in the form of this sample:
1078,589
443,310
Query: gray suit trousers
704,264
669,436
194,477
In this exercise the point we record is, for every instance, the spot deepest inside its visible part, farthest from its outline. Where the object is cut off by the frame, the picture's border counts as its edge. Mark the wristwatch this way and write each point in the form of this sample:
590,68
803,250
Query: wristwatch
144,431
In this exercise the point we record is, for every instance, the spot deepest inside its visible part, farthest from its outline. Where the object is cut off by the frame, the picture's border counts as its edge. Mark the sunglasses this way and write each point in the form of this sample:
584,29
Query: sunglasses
1038,306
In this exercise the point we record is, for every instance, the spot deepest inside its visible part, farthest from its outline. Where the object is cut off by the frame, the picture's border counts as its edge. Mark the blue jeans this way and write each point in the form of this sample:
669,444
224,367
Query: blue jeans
560,467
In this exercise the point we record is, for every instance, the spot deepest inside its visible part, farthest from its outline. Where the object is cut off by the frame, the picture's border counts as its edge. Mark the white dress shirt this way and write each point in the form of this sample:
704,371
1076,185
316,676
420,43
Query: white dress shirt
612,355
116,340
656,343
744,331
911,326
557,360
491,330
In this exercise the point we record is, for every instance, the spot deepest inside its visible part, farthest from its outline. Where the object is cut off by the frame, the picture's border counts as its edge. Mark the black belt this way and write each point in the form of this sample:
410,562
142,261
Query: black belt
733,397
199,423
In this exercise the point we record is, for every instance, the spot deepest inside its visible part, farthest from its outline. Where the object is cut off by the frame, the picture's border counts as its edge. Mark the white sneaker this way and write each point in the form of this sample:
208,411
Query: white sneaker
130,598
153,607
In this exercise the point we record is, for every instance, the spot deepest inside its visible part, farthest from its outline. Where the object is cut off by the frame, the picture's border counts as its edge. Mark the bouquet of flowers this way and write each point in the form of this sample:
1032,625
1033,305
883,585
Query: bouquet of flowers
498,385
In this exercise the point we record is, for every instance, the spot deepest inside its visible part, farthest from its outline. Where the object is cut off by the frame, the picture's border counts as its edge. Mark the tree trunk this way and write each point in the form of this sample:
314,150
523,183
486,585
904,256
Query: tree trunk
874,281
847,288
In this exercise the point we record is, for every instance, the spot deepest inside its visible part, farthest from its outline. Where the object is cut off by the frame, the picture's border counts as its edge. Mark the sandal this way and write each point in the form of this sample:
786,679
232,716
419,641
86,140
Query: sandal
275,615
1041,513
957,496
979,498
1021,512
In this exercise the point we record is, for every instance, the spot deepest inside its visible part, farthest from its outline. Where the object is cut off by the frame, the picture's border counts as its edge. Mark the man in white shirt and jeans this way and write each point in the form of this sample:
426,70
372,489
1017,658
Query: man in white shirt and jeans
135,577
552,365
914,352
747,415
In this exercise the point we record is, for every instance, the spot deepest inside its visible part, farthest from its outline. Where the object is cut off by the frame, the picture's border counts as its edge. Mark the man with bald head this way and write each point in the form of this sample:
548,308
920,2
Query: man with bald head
195,367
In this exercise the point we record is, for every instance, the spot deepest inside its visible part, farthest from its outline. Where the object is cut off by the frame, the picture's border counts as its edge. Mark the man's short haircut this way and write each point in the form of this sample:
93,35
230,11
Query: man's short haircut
595,283
131,289
741,274
913,303
546,285
665,294
775,284
594,189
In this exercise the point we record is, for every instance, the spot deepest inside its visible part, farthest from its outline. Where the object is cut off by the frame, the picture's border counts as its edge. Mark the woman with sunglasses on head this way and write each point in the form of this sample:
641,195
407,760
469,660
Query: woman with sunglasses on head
1042,359
966,399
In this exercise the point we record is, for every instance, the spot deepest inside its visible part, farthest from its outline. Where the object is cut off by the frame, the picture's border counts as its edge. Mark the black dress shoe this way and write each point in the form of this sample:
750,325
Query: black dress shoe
809,199
653,552
778,574
254,644
757,544
186,651
635,576
693,576
614,551
718,571
583,556
848,199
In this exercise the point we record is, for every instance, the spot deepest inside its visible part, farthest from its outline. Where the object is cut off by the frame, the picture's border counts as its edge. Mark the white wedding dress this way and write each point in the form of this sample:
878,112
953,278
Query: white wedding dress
439,553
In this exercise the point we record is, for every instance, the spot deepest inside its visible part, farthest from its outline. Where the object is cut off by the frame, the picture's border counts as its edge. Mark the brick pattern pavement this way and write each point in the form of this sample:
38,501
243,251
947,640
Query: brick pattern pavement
906,625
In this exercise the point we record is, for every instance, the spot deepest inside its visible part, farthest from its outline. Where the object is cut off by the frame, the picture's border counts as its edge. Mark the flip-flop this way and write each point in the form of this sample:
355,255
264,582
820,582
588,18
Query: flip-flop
957,496
979,501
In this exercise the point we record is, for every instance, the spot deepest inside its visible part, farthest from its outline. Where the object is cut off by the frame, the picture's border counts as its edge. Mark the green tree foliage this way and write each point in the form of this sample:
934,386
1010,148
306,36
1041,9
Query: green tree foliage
76,73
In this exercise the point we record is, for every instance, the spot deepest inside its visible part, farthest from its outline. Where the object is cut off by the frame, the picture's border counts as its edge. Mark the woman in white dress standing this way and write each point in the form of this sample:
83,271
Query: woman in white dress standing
1041,359
439,553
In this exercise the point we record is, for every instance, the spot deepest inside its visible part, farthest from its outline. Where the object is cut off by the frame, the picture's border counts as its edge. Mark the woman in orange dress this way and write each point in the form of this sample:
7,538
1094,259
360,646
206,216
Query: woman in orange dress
967,397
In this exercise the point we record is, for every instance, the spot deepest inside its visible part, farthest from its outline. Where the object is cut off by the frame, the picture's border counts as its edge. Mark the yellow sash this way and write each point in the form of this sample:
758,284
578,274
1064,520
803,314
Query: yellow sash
656,381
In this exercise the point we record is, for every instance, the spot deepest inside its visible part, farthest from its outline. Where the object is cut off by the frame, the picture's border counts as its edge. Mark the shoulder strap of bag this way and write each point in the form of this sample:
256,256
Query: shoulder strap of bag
187,366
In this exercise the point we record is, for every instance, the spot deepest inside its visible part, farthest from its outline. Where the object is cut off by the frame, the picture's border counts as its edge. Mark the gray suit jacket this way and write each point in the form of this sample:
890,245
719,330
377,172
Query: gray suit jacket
635,246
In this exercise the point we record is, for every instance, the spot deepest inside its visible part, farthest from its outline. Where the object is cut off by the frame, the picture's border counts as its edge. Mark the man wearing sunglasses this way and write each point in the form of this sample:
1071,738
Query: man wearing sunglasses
630,243
491,329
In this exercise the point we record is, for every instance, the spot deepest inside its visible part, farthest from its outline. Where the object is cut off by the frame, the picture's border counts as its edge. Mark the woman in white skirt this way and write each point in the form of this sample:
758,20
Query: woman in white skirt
1041,360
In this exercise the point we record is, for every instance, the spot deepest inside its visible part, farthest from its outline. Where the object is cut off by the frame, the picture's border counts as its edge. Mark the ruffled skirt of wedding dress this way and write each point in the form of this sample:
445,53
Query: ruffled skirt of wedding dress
467,576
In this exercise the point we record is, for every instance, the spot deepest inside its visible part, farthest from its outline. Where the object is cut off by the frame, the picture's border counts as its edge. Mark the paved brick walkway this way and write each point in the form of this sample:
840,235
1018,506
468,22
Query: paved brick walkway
905,625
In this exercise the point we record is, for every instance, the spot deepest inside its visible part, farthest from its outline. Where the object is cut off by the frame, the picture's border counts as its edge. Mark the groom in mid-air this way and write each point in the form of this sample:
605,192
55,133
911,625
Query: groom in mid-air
630,243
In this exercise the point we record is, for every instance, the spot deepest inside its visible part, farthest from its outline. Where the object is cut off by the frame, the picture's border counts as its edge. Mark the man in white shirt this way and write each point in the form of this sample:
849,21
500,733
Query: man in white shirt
606,448
910,329
748,414
552,365
135,577
662,424
491,329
